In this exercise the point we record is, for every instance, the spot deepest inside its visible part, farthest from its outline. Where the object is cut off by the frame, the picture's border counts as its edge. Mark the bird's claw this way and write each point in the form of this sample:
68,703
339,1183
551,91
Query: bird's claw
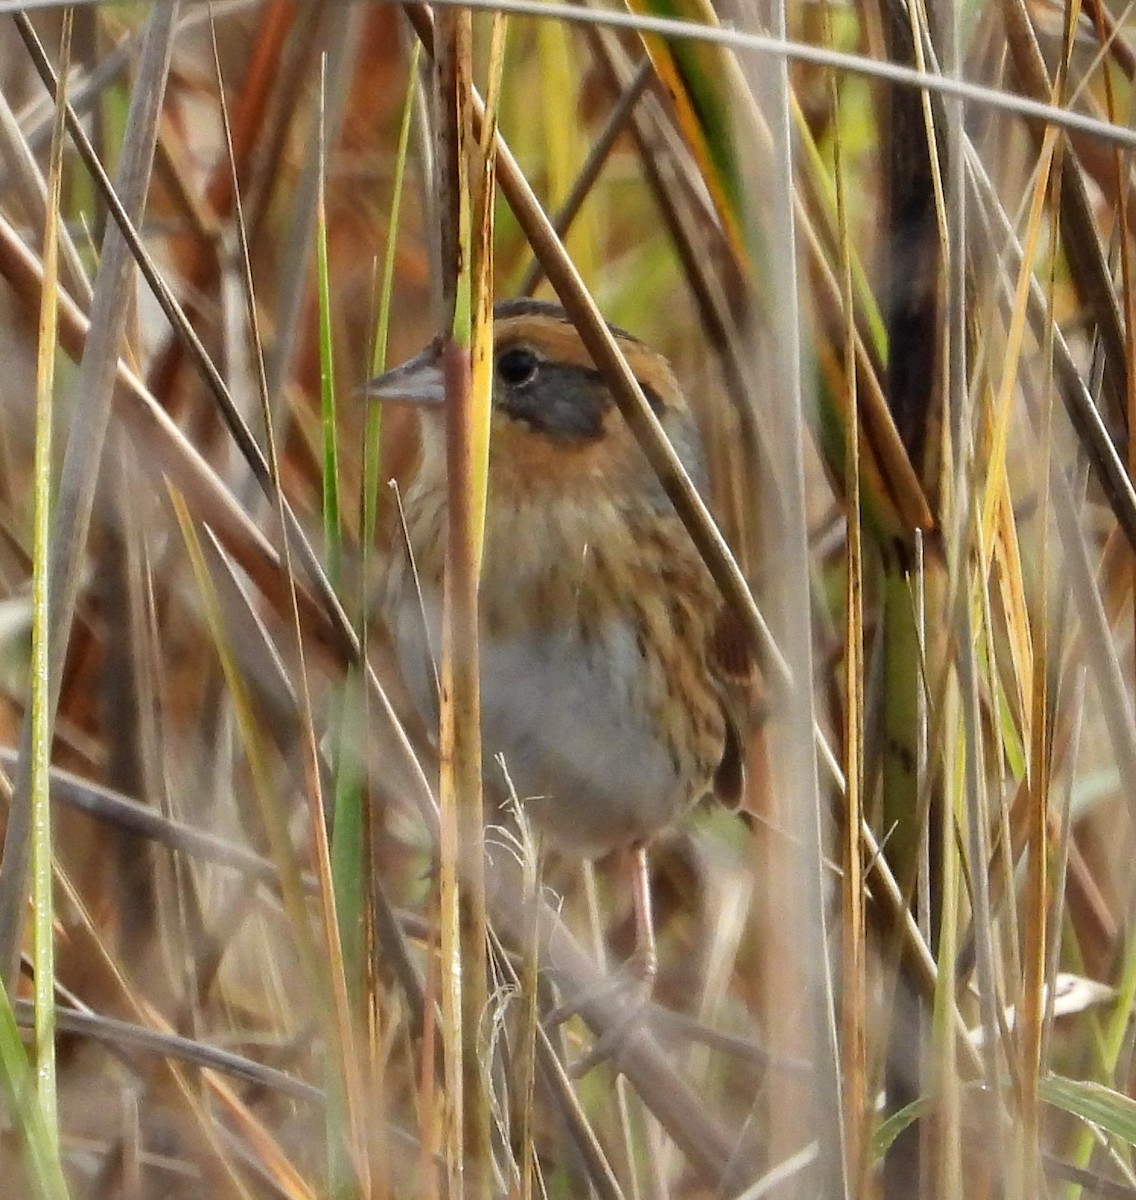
632,988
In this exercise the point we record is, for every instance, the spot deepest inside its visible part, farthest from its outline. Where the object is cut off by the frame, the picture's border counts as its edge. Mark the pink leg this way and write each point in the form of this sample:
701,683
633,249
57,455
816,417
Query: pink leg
645,960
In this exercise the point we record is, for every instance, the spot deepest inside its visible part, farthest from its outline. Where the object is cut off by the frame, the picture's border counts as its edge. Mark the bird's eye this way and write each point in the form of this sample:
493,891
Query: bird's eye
518,366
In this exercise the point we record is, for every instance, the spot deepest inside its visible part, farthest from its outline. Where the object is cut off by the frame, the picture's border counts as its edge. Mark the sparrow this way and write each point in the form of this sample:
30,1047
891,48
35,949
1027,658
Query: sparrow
608,669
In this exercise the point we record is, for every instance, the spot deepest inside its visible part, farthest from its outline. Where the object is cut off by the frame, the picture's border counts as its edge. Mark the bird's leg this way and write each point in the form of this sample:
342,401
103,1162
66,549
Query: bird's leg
645,957
642,967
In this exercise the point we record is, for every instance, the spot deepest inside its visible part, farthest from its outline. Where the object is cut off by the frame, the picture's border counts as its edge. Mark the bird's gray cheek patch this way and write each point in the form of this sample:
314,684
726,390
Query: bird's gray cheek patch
564,402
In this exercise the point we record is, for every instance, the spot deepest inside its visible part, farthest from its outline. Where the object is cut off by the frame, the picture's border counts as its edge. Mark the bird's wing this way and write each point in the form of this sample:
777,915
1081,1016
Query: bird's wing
740,694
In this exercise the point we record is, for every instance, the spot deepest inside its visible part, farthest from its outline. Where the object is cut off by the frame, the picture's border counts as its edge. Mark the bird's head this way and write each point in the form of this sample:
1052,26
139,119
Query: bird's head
555,422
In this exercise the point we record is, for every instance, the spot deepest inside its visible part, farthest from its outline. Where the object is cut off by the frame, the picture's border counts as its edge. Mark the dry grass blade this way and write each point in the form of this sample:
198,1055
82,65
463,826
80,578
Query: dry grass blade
84,446
125,1035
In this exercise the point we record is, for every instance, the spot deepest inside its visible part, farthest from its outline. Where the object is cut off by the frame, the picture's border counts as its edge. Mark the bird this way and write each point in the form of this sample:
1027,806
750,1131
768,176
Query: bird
609,665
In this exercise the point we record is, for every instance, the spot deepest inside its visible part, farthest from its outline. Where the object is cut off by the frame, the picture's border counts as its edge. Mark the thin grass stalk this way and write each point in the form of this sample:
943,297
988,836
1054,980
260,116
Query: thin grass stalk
929,796
564,143
1108,1048
589,173
702,83
450,977
41,1143
995,479
853,1012
276,25
1084,255
822,191
16,261
1030,1020
85,443
1006,746
901,817
330,988
971,811
349,877
1085,417
43,906
947,1167
763,46
794,765
372,435
272,816
32,190
334,32
955,500
484,199
1069,703
1127,276
433,1119
132,1035
347,863
528,1032
166,451
188,1093
332,525
463,913
348,841
482,160
1009,698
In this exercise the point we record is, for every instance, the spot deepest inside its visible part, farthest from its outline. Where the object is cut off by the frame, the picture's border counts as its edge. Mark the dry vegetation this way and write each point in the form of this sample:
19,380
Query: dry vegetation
228,949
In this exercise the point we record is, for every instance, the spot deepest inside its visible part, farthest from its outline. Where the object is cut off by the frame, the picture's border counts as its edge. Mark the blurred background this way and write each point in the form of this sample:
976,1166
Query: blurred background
904,320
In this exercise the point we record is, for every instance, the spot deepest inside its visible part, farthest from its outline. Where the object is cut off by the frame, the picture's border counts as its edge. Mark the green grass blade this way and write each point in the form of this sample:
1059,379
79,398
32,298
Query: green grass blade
43,918
40,1141
331,520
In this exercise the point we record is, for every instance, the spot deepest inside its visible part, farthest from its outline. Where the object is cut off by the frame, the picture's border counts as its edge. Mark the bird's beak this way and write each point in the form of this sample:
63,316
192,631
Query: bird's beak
419,381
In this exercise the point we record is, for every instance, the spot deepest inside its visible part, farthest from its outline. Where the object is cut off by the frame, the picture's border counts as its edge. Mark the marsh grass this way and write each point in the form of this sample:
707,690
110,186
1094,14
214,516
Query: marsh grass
904,319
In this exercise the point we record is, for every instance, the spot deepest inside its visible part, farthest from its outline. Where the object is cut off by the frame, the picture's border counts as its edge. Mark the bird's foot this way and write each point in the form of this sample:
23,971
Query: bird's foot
614,1006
